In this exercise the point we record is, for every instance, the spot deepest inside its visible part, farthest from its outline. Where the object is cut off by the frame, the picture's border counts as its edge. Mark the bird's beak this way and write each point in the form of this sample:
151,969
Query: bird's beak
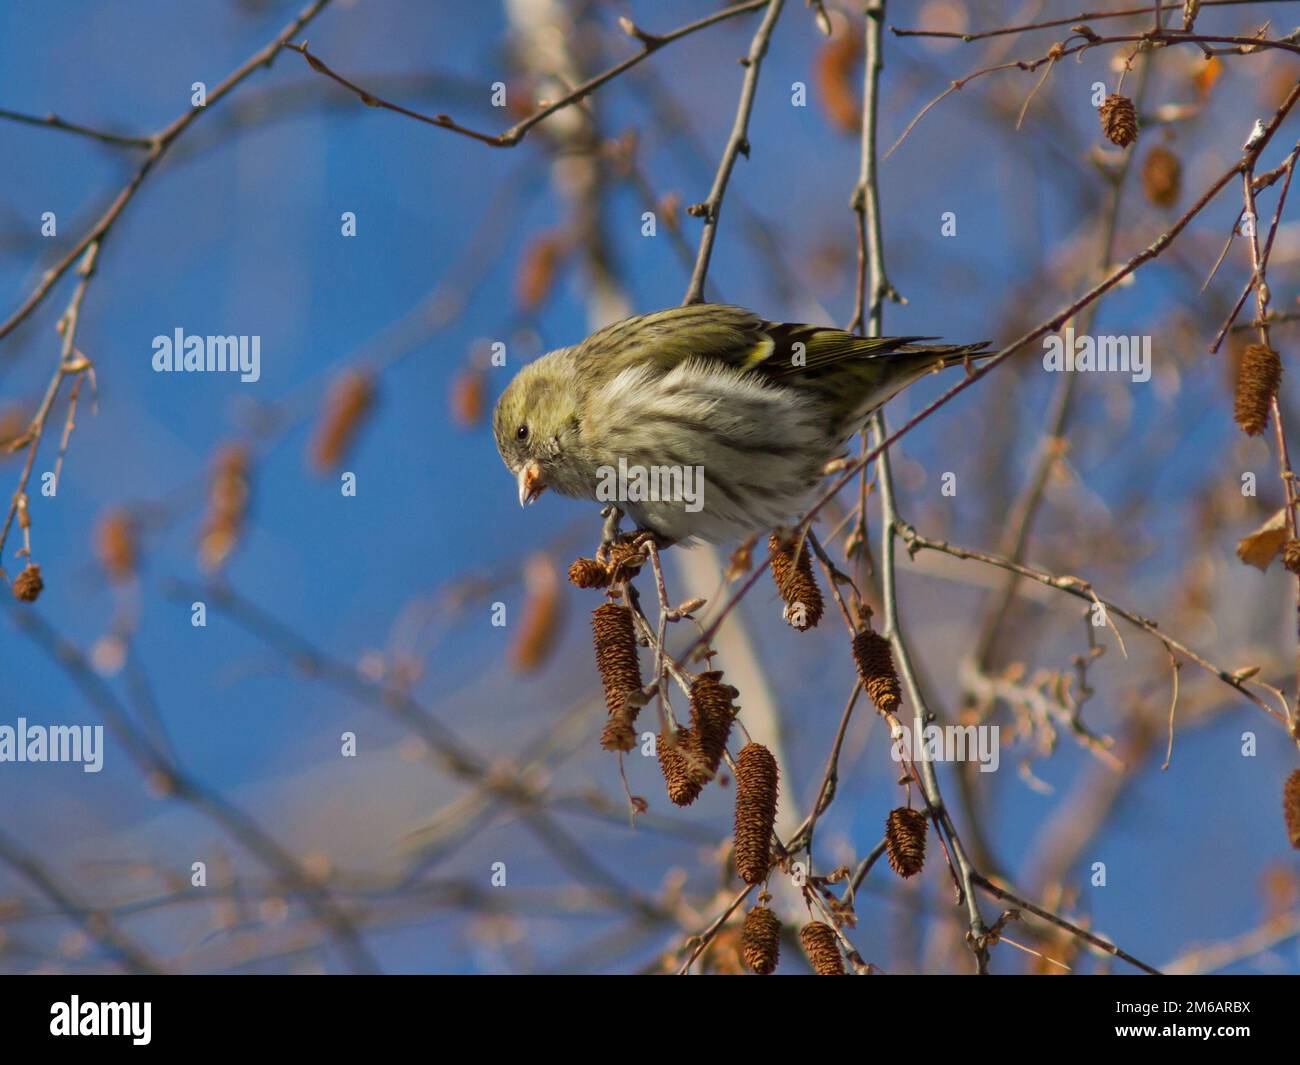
531,483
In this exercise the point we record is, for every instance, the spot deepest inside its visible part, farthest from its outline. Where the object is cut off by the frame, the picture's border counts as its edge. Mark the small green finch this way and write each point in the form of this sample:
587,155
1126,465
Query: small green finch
701,422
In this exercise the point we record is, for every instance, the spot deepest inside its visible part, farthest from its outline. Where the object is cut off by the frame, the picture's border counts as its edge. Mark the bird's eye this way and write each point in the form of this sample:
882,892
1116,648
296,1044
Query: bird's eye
521,433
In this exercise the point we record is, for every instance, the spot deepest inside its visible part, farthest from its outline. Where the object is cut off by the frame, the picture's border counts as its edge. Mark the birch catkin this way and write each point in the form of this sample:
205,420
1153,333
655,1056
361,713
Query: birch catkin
875,662
620,672
712,712
795,582
756,787
760,940
682,767
1291,807
905,841
1258,376
823,951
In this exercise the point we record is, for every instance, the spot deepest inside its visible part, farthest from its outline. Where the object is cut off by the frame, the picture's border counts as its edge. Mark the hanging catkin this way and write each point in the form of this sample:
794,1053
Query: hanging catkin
823,951
905,841
682,766
875,663
1291,807
756,785
760,940
796,583
1119,120
1258,376
712,712
620,672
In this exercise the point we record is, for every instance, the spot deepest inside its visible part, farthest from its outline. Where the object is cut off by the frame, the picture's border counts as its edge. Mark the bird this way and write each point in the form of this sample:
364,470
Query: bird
704,422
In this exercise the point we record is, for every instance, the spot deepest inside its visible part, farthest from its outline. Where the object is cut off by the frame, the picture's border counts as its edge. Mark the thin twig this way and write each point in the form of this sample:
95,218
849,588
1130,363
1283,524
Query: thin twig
53,121
159,143
1084,16
650,43
171,779
737,143
1083,590
96,923
1061,922
69,364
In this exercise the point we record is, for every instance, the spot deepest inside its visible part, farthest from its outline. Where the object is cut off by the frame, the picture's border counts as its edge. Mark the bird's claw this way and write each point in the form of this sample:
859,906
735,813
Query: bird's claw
648,536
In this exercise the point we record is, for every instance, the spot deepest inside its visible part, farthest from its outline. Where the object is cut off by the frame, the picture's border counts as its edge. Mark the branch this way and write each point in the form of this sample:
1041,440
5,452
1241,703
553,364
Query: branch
1258,271
1084,16
1081,589
159,143
70,363
170,779
650,43
975,374
95,923
53,121
455,757
1052,442
872,276
1055,323
738,142
1061,922
1242,46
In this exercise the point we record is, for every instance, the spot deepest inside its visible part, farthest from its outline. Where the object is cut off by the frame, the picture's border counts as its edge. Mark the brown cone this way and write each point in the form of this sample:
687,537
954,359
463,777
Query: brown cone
682,767
1258,377
618,734
1291,807
760,940
28,584
823,951
616,655
588,573
875,663
712,712
1119,120
796,583
905,841
756,788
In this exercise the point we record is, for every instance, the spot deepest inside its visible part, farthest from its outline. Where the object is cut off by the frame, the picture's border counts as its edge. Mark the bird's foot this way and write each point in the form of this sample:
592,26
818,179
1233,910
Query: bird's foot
649,536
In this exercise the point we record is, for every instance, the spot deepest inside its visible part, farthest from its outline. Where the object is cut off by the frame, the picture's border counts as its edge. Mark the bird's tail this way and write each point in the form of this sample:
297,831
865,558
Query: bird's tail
902,366
939,356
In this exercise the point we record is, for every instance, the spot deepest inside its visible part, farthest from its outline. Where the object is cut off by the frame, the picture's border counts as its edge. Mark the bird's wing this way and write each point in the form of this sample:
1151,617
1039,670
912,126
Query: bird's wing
666,339
734,337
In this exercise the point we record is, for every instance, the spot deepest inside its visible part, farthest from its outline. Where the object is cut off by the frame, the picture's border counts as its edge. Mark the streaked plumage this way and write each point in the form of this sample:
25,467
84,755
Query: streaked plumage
761,406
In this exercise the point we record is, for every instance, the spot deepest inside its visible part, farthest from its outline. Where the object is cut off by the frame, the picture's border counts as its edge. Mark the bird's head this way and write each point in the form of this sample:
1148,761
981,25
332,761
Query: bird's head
535,425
